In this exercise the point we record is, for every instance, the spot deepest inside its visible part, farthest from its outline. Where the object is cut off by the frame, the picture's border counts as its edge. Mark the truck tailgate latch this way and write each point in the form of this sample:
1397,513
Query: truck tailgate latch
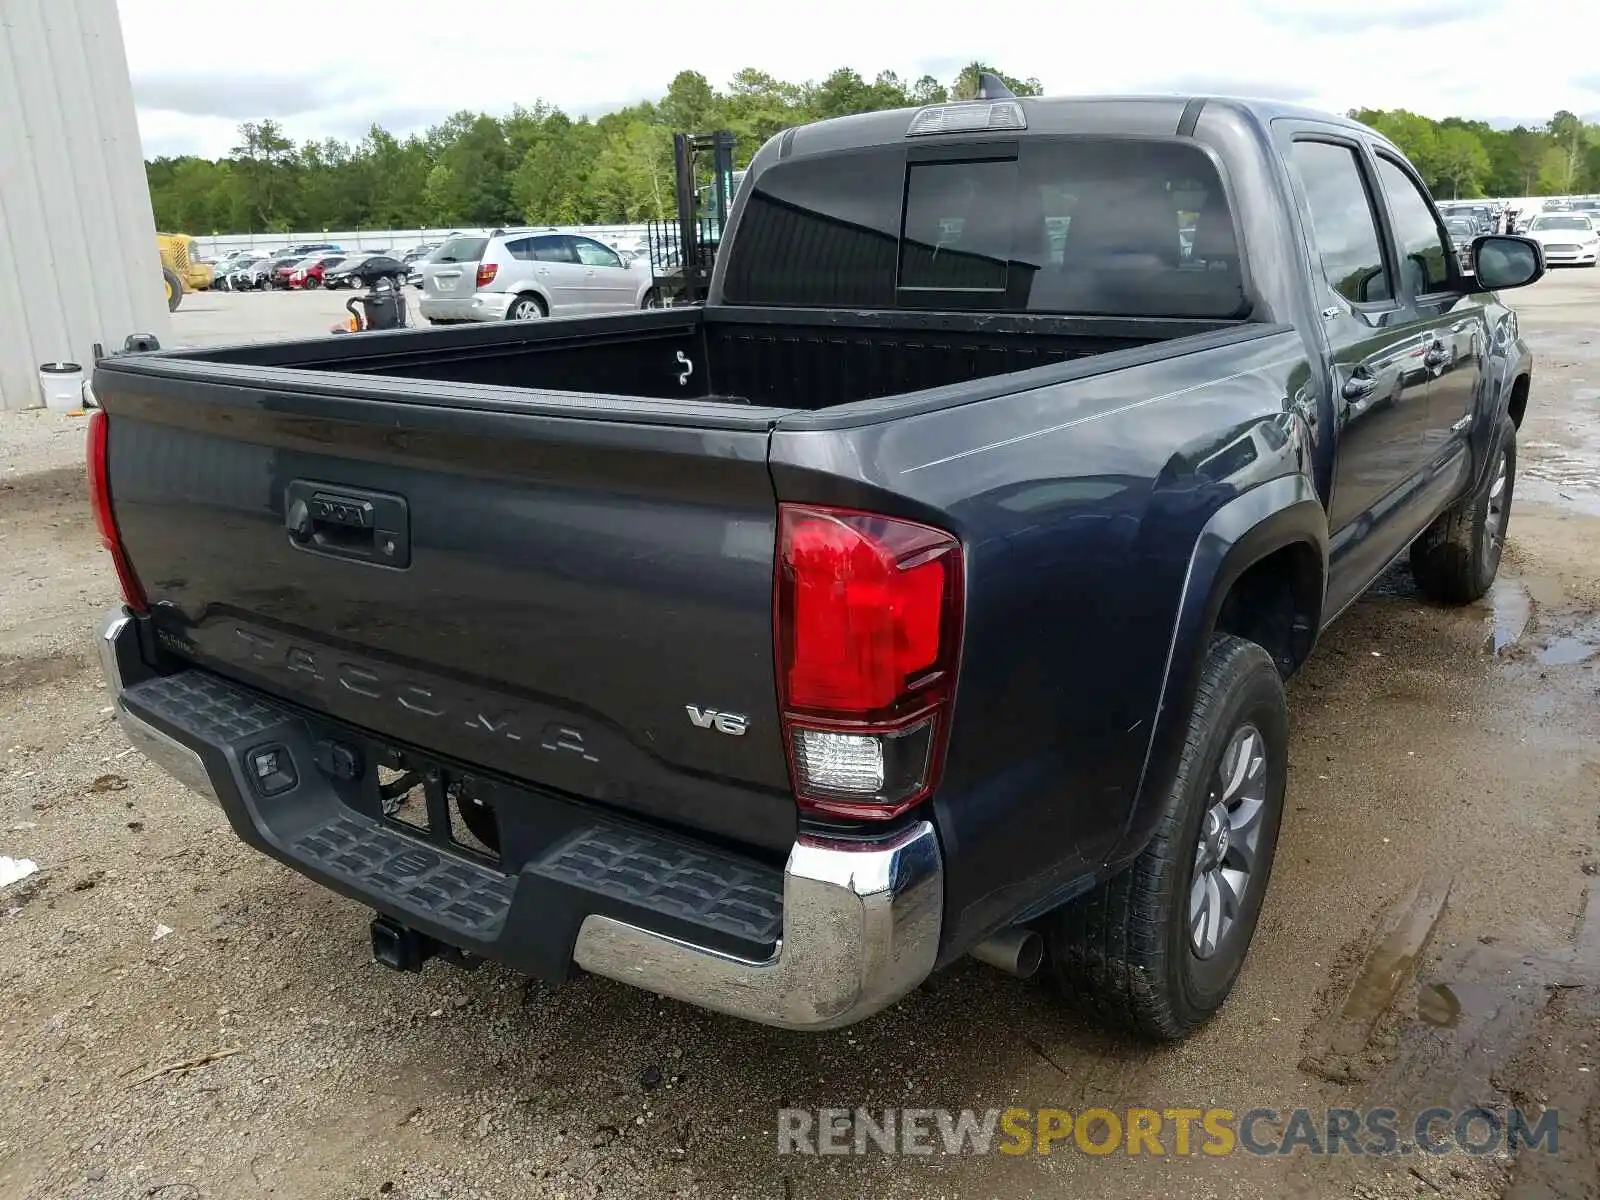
345,522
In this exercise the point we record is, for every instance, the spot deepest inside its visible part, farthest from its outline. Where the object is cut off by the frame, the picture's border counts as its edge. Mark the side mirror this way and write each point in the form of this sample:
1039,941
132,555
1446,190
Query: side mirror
1503,261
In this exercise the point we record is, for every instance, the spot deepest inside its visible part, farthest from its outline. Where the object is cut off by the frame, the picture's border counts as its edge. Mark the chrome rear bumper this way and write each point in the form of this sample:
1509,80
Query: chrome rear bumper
860,920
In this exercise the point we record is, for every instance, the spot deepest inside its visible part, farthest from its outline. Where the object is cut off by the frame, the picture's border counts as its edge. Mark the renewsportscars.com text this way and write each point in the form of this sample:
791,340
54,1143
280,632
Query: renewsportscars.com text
1178,1132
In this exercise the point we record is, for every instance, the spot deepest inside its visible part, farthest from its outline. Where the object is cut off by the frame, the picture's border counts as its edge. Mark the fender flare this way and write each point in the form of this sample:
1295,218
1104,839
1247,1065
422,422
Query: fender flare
1281,512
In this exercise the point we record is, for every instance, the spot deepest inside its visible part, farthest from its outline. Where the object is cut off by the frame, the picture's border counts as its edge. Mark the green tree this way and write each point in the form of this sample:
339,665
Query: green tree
965,86
264,161
689,105
1461,161
1557,172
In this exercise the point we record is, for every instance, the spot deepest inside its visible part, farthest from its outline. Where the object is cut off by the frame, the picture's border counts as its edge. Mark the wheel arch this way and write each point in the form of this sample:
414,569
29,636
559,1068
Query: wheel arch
1259,570
527,291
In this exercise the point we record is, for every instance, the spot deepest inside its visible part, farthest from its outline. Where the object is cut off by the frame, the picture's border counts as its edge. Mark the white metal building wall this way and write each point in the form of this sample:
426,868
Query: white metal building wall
78,257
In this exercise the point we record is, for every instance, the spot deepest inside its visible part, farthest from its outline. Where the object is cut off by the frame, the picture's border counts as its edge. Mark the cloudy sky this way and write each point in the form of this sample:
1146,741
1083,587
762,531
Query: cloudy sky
331,68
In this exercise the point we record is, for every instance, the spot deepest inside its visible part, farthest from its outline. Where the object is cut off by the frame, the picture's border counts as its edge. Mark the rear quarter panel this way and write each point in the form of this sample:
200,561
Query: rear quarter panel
1079,504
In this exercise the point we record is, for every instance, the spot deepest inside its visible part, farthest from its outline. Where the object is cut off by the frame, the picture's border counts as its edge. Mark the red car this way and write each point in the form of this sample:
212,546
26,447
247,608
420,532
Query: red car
307,273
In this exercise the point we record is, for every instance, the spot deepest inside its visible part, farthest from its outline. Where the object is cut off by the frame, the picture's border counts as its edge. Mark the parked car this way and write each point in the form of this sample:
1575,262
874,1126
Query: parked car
1461,231
310,248
419,252
358,270
772,653
1481,215
1568,238
308,272
526,275
274,272
236,276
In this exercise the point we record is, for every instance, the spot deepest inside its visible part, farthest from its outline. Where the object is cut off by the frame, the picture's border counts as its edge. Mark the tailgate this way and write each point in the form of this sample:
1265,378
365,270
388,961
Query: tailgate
568,601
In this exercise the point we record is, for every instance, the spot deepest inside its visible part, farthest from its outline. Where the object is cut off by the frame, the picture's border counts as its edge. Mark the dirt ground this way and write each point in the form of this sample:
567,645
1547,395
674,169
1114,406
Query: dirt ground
1427,938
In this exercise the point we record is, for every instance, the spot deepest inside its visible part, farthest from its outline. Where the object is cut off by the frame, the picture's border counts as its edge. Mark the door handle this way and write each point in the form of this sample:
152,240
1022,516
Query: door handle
1359,387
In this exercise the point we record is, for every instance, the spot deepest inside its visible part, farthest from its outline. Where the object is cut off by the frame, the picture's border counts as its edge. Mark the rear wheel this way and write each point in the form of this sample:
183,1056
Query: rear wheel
526,308
313,282
1156,948
652,299
355,282
1457,557
174,289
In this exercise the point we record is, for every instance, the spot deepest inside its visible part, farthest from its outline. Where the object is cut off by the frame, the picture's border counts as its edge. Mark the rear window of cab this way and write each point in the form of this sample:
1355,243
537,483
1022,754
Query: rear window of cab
1064,225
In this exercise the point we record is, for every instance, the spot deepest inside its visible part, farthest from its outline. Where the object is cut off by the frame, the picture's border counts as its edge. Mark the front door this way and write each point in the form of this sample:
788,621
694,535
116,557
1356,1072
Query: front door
608,284
1378,349
1455,320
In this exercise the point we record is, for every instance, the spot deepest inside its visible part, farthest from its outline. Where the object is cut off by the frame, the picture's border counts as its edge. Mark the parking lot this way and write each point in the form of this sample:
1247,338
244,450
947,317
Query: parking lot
1443,798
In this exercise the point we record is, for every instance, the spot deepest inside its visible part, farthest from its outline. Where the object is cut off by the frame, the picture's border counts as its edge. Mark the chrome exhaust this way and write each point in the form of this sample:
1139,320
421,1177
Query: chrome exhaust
1016,951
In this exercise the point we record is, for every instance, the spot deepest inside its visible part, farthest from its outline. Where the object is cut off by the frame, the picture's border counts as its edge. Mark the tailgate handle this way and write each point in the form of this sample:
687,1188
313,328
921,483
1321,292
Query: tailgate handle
346,522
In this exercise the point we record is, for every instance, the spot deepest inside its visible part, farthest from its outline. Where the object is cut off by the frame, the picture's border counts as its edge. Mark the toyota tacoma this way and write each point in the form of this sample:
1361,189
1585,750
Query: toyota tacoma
929,591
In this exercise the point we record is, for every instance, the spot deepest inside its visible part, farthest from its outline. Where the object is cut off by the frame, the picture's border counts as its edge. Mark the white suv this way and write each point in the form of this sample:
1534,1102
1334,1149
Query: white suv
526,275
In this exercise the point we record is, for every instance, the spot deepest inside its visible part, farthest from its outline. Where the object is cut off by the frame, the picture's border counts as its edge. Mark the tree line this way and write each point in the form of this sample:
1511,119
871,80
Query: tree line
539,165
535,165
1462,158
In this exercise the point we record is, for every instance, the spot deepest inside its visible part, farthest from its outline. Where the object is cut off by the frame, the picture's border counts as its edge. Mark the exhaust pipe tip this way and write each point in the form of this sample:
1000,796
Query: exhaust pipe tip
1016,951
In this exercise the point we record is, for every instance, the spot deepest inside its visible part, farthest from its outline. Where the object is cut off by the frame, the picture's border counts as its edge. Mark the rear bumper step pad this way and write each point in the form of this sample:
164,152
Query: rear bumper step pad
843,930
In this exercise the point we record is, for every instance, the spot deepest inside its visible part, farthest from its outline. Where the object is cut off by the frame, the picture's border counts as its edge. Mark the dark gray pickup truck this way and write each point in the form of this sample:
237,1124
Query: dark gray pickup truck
930,591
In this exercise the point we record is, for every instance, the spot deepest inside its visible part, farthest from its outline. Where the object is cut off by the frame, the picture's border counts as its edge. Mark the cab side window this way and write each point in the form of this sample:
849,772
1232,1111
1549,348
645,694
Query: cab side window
1424,255
593,254
554,249
1344,229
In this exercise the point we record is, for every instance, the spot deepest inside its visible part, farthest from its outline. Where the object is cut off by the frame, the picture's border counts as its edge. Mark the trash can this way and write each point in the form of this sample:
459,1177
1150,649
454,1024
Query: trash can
62,385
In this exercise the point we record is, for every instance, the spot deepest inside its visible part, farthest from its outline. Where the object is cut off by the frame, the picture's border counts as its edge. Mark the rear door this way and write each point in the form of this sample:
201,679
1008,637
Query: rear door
608,284
453,273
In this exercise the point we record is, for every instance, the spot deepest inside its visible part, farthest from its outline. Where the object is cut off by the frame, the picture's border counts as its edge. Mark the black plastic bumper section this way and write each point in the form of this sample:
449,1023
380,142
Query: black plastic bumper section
560,863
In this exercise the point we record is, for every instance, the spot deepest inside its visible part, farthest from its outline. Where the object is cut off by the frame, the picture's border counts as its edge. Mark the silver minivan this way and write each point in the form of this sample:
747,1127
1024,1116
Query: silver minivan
526,275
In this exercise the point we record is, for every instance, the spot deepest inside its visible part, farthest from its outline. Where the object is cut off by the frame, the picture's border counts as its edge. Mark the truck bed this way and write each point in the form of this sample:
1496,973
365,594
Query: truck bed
786,359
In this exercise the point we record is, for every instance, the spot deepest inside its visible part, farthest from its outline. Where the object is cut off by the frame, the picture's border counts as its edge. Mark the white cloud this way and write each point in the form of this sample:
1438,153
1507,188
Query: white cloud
328,69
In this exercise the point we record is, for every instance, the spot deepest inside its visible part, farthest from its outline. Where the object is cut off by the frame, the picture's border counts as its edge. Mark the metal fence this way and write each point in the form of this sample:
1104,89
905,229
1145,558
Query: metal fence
388,239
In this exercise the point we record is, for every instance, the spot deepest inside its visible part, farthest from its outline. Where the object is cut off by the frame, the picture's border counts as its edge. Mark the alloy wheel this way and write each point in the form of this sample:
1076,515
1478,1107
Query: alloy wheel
1225,859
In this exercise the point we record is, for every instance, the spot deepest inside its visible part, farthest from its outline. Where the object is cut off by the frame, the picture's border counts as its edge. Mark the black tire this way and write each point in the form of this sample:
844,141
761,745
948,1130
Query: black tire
312,283
174,287
527,308
1457,557
355,283
1125,950
652,299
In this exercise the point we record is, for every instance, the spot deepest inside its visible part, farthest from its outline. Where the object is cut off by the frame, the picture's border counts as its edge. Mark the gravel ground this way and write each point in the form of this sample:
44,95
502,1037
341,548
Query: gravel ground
1455,742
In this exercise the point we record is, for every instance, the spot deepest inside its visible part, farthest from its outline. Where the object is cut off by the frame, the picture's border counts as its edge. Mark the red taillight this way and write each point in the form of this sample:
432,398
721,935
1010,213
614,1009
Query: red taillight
100,498
486,273
868,616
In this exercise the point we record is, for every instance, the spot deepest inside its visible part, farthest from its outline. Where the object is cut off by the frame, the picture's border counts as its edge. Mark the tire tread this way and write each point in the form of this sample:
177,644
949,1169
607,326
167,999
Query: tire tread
1109,948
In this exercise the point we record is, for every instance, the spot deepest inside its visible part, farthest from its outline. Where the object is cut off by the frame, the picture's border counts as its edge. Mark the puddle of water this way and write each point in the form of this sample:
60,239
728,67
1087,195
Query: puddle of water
1510,609
1565,651
1439,1005
1392,959
1445,1005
